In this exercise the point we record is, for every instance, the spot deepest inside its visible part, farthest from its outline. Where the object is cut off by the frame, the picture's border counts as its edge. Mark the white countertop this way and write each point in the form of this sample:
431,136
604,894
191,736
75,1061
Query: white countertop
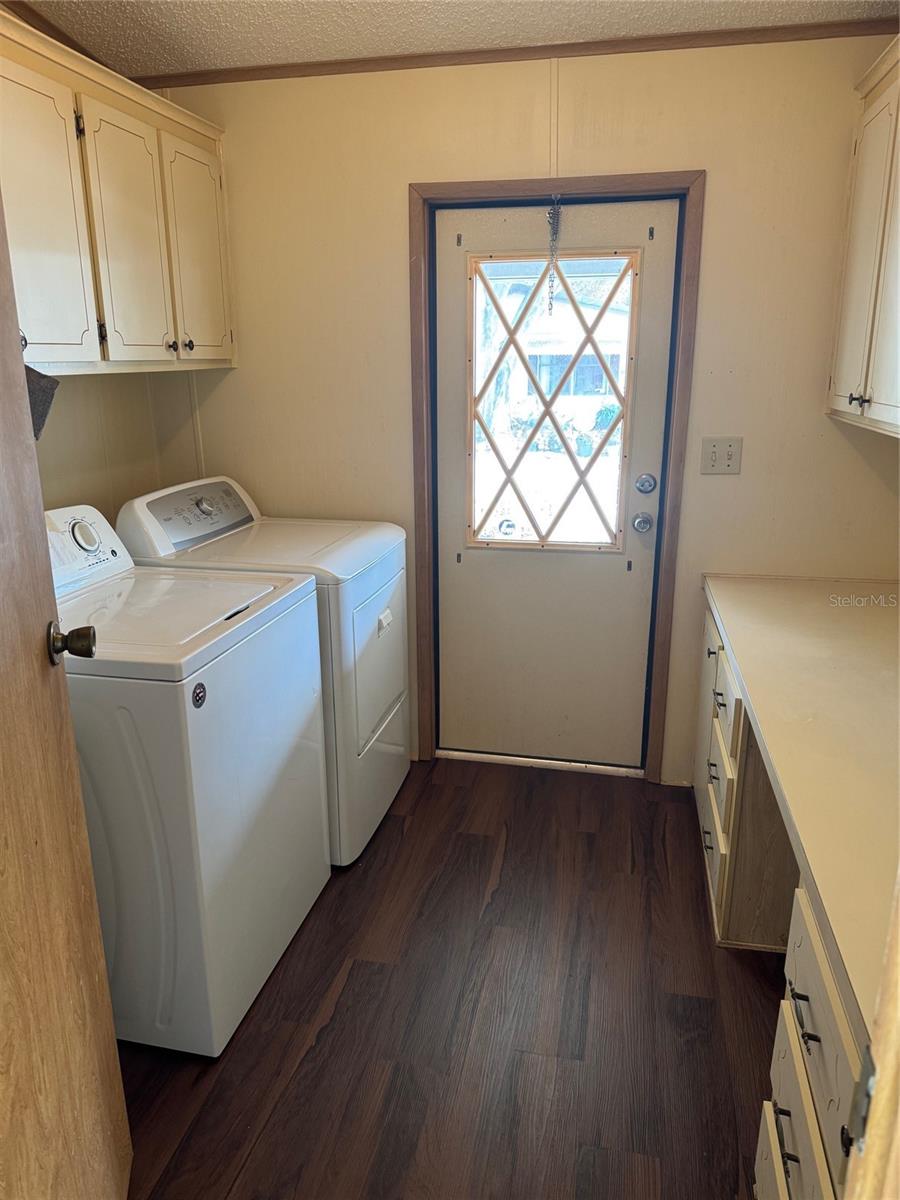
816,662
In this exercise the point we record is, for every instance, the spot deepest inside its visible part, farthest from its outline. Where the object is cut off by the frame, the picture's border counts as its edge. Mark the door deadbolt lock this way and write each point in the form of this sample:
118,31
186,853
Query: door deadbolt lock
645,484
81,642
642,522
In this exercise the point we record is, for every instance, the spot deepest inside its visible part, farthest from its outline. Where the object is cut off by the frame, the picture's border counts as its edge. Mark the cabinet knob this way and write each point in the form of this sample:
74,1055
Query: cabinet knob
189,344
851,400
23,340
173,345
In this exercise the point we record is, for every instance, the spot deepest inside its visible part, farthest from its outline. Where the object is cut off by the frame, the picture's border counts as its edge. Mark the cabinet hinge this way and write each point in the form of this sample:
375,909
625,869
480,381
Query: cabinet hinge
101,331
79,125
853,1134
231,331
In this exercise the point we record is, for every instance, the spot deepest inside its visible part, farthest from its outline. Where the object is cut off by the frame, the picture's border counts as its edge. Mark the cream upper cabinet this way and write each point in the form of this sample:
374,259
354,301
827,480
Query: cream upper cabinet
115,216
865,355
192,183
125,191
884,367
46,221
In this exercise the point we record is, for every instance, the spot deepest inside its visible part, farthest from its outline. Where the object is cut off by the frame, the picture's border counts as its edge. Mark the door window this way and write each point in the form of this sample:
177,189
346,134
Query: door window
549,381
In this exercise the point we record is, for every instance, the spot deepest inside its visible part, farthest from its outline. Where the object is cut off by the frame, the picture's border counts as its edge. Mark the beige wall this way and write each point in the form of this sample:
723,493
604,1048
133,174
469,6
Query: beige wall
112,437
316,418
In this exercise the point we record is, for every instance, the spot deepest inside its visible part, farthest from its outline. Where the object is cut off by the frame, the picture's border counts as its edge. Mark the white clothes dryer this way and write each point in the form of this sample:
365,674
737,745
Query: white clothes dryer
360,570
201,741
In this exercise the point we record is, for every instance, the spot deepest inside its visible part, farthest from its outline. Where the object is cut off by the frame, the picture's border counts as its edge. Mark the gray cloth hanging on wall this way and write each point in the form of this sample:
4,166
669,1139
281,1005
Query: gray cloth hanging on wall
41,389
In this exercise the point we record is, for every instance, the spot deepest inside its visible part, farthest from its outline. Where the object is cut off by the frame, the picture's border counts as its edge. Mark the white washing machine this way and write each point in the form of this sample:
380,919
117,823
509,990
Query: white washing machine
360,570
201,740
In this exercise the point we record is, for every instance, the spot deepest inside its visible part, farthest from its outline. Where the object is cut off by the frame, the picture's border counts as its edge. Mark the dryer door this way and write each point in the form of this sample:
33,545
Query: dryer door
379,644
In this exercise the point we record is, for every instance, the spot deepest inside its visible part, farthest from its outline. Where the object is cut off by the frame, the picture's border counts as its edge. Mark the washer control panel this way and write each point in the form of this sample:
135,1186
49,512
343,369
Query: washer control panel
83,547
200,511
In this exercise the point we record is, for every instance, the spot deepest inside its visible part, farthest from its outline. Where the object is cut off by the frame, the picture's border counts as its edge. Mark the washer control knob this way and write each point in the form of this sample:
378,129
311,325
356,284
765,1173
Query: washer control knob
85,537
204,506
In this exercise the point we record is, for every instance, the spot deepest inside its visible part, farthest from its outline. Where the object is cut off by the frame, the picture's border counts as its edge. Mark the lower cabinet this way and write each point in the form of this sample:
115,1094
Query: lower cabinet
758,901
750,863
771,1182
815,1068
802,1156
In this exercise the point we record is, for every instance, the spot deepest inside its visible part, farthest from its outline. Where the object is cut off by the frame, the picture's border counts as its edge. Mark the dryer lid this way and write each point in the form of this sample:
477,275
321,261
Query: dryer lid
333,551
214,523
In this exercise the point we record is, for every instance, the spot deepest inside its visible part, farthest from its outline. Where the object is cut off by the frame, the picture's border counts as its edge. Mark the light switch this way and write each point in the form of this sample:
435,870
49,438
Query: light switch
721,456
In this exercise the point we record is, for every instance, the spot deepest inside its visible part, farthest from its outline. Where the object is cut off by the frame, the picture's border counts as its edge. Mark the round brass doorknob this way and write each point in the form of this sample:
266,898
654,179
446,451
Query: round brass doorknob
81,642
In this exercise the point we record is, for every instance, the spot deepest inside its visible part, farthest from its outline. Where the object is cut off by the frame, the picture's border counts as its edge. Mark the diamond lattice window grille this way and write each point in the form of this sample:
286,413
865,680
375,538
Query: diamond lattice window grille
549,398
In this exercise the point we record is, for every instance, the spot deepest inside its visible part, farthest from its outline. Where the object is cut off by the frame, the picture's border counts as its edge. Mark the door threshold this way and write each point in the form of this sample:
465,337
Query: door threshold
550,764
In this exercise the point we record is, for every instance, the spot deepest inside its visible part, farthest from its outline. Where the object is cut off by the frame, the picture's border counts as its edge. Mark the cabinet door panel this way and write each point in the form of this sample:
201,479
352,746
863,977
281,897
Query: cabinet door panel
198,249
884,369
46,220
122,159
867,214
709,652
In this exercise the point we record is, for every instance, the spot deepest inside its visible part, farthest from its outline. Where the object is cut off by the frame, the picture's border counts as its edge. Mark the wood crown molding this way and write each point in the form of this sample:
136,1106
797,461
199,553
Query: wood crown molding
455,58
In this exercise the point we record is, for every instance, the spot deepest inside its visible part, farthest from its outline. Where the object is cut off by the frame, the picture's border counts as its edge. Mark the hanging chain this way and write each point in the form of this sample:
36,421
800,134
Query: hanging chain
553,216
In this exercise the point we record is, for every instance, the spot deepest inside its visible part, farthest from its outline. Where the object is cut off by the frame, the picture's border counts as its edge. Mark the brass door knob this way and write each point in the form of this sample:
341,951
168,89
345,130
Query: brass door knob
81,642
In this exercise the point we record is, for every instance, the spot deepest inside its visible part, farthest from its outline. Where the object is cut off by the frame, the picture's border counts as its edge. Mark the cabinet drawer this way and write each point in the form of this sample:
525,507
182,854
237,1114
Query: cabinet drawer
715,845
832,1064
808,1177
710,645
769,1169
721,773
728,705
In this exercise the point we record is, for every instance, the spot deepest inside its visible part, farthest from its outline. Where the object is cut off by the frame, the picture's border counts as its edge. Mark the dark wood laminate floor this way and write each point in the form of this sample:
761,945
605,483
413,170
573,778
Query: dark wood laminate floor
514,993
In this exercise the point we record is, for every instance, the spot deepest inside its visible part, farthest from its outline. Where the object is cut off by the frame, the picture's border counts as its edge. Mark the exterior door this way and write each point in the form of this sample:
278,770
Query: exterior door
125,189
192,179
63,1130
551,404
46,219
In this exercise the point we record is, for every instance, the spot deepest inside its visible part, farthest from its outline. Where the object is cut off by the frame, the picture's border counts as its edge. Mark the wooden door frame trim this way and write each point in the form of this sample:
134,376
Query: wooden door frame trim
424,199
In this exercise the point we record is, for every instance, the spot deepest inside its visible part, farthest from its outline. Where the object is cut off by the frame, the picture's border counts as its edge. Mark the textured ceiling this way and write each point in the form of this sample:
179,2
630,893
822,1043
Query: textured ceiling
152,37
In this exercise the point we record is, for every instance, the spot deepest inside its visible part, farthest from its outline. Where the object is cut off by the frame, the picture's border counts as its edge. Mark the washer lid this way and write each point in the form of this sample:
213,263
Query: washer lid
333,551
161,624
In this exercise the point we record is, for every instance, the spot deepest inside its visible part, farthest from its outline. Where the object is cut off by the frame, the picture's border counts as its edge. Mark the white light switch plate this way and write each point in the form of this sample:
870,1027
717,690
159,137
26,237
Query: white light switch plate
721,456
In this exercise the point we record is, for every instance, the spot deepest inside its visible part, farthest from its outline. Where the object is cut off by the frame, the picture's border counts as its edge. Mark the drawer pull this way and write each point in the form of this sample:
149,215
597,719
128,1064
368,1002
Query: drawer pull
710,653
847,1141
796,997
713,771
720,699
786,1156
707,845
